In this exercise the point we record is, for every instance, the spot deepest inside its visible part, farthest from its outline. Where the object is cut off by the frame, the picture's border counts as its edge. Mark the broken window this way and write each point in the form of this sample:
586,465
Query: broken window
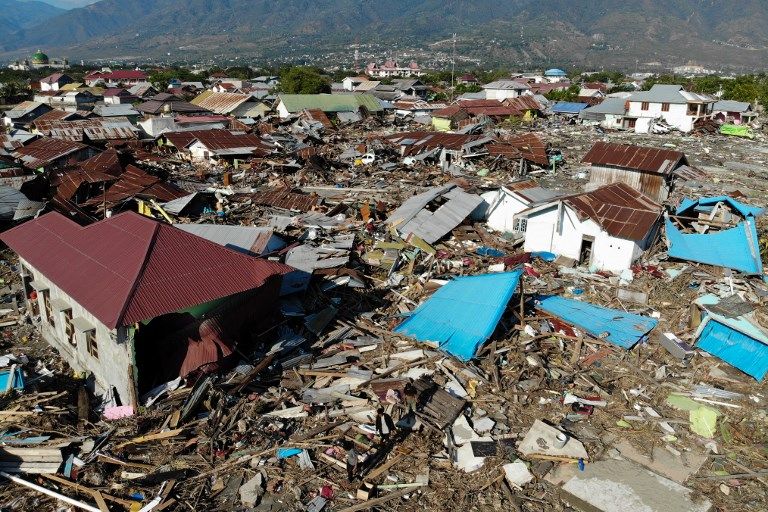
665,107
644,105
48,308
69,327
90,342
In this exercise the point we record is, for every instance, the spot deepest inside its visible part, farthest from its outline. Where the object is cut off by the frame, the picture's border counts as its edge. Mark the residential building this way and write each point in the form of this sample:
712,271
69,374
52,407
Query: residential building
505,89
22,115
288,105
651,171
54,82
608,114
503,204
391,68
125,77
134,303
669,103
49,153
734,112
606,229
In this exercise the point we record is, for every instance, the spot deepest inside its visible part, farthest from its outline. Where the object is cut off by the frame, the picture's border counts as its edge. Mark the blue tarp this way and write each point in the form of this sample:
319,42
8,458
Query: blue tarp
618,327
17,383
564,107
736,248
462,315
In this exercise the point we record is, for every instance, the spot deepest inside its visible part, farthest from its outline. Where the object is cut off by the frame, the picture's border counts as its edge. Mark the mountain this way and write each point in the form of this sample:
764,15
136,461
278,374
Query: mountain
69,4
587,33
16,14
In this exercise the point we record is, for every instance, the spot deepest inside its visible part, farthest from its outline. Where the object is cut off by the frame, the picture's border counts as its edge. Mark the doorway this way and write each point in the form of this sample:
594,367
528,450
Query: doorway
585,253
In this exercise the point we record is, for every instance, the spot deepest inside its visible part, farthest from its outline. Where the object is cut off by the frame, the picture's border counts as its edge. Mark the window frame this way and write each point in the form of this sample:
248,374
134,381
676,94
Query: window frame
91,343
665,107
69,327
645,105
46,296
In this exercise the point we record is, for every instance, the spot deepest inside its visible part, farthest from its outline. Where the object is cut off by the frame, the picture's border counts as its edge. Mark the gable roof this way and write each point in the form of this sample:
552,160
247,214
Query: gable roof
130,268
664,93
619,209
638,158
507,85
732,106
329,102
220,102
54,78
44,151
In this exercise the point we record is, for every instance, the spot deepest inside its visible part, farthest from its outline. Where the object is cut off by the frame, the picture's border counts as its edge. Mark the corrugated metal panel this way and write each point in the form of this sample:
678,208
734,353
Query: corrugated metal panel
564,107
462,315
639,158
221,102
736,248
618,327
619,209
735,348
284,198
130,268
247,239
44,151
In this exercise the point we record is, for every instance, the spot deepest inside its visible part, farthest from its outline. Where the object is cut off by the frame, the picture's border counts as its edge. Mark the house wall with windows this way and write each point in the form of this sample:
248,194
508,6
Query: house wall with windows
680,115
82,340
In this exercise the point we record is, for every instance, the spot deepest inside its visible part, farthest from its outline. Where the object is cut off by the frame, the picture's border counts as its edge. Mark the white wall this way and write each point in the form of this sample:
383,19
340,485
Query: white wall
502,209
501,94
282,110
115,363
608,253
677,115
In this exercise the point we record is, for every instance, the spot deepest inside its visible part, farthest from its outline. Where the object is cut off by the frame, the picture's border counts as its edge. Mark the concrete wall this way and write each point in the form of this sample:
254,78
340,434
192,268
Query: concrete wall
502,210
114,366
501,94
608,253
677,115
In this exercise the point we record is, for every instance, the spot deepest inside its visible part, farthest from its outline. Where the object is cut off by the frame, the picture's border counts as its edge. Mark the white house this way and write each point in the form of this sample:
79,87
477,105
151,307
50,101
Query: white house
608,114
505,89
54,82
502,205
678,108
606,229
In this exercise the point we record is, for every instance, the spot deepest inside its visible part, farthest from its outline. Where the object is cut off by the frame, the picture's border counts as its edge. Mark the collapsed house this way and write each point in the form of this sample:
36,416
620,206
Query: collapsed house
502,205
718,231
433,214
606,229
137,303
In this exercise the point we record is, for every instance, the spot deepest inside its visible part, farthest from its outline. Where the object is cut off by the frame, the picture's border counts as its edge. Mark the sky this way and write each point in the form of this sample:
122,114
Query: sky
69,4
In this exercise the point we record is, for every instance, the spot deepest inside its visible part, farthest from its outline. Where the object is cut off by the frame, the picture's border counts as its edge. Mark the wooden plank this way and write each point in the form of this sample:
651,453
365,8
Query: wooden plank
377,501
151,437
88,490
100,501
384,467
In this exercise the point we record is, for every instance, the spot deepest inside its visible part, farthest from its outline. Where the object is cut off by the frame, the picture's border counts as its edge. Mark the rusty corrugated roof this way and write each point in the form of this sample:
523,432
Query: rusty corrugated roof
135,182
531,146
619,209
130,268
637,158
284,198
45,151
220,102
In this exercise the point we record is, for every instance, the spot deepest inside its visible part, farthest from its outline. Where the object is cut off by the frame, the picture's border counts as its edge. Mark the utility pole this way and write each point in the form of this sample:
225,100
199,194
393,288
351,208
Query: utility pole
453,68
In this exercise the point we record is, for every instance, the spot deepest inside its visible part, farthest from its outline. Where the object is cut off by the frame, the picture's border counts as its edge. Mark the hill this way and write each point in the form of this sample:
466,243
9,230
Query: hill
16,15
565,32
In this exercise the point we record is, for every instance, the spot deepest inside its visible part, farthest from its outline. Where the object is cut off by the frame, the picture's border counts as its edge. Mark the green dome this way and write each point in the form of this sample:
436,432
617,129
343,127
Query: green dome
40,58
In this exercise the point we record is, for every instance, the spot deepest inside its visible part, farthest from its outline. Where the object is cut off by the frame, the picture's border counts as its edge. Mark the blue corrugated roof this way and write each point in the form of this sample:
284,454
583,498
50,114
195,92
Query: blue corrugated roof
555,72
738,341
687,205
619,327
565,107
736,248
735,348
462,315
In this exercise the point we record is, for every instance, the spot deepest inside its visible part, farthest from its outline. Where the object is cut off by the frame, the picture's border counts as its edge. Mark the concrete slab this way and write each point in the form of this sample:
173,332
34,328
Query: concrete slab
664,462
540,440
620,486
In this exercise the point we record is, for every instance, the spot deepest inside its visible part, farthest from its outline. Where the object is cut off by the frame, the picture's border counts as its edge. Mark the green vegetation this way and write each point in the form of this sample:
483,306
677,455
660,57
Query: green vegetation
747,88
569,94
161,77
304,80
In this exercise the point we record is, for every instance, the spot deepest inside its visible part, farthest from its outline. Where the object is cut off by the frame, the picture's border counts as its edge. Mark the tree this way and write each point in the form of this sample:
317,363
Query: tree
569,94
304,80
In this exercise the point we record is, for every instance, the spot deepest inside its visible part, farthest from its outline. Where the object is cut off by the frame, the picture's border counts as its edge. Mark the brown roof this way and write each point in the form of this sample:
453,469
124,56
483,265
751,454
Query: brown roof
136,182
284,198
53,115
619,209
224,139
45,151
115,128
637,158
531,146
417,142
107,162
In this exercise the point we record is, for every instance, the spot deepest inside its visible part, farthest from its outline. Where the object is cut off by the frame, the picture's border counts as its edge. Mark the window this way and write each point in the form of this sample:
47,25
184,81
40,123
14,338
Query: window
69,327
520,225
90,342
665,107
48,308
631,123
644,106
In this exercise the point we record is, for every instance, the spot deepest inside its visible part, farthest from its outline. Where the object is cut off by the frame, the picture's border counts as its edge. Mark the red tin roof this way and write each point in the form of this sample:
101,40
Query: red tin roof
129,268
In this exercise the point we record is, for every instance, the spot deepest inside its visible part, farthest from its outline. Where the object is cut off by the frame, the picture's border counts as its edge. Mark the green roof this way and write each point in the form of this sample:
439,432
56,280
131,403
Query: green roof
330,102
39,57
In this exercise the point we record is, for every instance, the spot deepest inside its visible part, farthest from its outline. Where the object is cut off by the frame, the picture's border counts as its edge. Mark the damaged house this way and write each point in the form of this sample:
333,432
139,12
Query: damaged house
136,303
651,171
668,105
502,205
606,229
718,231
